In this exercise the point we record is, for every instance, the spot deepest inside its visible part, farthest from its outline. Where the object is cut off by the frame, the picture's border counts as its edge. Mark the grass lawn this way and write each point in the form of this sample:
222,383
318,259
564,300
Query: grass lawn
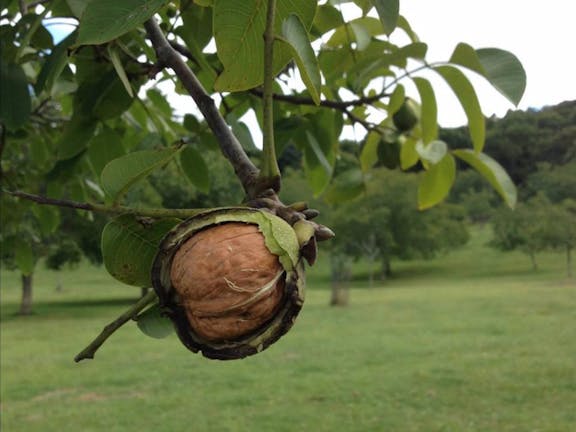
474,341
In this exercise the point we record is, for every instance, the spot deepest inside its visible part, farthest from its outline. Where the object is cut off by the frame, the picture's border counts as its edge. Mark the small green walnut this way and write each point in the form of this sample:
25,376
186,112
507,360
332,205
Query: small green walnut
407,116
231,281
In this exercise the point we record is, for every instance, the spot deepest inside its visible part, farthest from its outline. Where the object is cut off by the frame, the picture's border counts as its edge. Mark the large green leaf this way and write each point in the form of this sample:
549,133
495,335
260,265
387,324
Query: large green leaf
491,171
120,174
24,256
504,71
296,36
408,154
436,182
501,68
369,152
388,11
152,323
316,165
104,20
466,94
428,110
76,136
129,245
119,67
238,29
15,101
195,168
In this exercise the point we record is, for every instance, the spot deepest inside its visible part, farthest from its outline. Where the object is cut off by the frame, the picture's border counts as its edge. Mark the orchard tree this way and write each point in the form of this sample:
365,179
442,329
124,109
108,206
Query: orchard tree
302,67
393,227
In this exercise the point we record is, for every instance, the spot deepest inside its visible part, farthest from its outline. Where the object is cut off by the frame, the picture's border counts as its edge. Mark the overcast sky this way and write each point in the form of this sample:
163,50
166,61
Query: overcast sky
541,34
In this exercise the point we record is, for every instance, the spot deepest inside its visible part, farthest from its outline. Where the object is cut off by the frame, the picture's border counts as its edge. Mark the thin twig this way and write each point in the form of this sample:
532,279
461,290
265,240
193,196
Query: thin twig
100,208
167,56
131,313
302,100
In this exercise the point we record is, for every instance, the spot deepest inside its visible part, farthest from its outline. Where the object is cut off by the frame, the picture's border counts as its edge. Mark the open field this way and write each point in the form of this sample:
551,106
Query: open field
474,341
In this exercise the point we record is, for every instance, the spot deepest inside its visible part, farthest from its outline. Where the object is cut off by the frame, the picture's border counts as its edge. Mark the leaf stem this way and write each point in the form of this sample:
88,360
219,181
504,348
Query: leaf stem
270,174
100,208
131,313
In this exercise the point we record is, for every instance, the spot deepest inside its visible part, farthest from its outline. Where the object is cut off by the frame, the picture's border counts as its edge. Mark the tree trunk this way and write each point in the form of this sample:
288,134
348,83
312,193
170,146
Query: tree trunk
340,275
533,260
26,304
386,269
569,261
339,295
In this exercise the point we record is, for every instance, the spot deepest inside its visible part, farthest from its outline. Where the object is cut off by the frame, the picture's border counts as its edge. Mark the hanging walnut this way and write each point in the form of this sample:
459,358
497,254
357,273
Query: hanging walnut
230,280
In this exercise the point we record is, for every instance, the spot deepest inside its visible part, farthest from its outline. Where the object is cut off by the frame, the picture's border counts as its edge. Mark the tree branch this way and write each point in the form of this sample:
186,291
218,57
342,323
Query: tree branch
131,313
167,56
328,103
99,208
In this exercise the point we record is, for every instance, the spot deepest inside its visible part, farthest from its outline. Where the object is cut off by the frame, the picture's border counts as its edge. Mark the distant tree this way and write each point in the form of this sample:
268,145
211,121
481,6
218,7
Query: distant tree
537,225
521,229
390,225
557,182
561,231
475,195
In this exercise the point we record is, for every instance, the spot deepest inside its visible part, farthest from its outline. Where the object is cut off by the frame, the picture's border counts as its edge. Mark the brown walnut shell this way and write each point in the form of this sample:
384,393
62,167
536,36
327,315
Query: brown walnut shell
228,295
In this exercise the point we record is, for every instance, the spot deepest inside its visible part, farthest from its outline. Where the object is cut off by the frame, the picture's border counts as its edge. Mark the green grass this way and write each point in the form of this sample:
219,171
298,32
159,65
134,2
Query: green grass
474,341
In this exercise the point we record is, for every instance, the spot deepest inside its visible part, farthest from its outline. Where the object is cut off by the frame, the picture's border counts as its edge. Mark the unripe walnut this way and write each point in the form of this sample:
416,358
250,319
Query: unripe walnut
227,280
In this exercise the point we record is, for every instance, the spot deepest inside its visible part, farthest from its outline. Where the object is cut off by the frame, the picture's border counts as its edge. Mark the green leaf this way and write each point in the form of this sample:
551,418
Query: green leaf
54,64
48,218
505,72
318,168
491,171
195,168
76,136
327,18
436,182
388,11
24,256
120,174
238,29
153,323
359,30
105,20
429,110
119,67
103,148
15,101
466,94
129,245
296,36
242,132
501,68
397,99
433,152
408,154
369,152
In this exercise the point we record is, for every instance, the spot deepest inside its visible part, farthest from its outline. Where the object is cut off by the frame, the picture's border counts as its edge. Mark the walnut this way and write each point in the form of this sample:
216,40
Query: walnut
228,281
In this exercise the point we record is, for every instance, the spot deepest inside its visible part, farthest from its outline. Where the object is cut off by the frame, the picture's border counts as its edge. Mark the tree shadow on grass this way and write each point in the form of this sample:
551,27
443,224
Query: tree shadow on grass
65,309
